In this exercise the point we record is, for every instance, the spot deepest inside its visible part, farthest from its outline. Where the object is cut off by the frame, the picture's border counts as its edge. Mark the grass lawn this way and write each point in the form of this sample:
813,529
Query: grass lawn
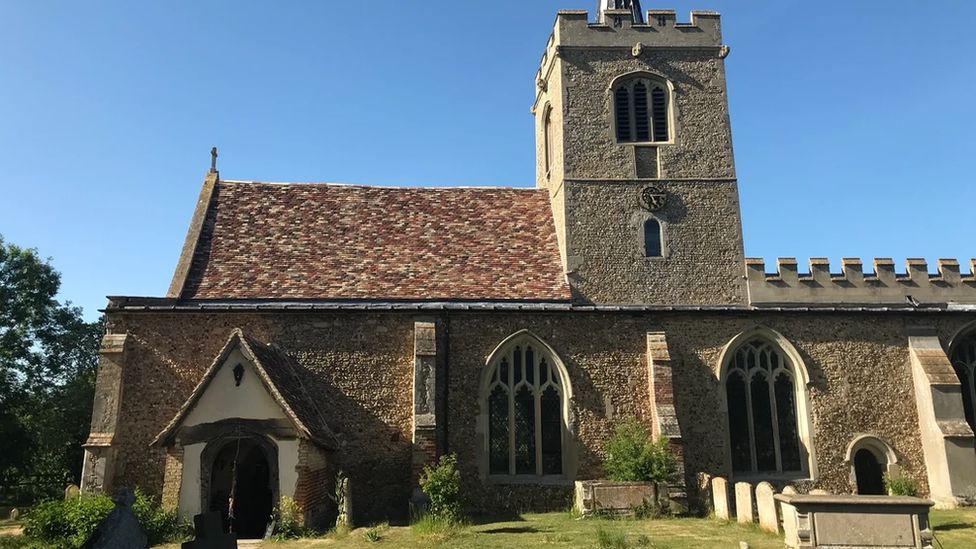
955,529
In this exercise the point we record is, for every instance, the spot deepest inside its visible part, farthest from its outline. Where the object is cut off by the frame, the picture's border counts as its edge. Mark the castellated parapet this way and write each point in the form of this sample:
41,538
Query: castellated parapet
852,285
617,29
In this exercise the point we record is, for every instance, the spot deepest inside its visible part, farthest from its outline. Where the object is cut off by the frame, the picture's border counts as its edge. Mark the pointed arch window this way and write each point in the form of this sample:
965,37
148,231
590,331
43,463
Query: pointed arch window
760,389
525,397
641,111
964,361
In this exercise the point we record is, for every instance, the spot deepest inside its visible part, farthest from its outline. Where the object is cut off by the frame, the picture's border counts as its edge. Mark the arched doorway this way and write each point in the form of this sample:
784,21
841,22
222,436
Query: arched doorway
869,473
870,458
247,468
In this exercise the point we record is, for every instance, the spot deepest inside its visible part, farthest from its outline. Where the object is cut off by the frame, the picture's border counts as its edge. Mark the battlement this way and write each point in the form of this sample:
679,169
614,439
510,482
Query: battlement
617,28
852,285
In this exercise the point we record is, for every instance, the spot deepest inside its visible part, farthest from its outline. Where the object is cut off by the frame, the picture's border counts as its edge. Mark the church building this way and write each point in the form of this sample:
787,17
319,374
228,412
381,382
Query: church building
313,328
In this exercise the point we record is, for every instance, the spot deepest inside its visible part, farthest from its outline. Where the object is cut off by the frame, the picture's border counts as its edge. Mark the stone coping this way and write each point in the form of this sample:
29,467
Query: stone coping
850,499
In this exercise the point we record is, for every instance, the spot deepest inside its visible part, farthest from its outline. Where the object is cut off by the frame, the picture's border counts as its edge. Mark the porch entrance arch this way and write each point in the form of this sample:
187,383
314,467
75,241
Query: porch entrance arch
247,467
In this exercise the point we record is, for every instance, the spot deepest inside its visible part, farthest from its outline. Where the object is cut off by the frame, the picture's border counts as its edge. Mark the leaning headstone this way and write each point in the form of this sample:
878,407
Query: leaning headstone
720,495
72,492
766,506
14,514
208,533
120,529
788,512
743,503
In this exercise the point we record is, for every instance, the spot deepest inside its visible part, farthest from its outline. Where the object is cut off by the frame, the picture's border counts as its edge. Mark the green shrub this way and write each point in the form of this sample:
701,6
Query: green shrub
290,517
901,485
372,535
69,523
442,484
160,525
633,456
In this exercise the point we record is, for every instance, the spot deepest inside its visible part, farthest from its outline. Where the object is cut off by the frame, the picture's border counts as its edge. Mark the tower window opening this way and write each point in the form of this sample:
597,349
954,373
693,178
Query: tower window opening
547,137
639,118
652,238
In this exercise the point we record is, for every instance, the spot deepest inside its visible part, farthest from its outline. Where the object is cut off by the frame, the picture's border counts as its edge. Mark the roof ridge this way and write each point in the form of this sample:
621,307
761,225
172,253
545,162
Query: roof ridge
384,187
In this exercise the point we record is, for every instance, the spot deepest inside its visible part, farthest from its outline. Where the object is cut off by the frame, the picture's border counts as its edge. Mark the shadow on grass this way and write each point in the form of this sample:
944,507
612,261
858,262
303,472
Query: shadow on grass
512,530
954,526
479,520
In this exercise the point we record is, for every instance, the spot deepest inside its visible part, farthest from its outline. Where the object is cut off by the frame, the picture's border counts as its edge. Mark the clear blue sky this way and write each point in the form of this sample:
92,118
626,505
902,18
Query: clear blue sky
852,121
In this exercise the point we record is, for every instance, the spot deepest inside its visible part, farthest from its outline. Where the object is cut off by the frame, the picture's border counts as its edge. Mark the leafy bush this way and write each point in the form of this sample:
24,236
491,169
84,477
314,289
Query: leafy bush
633,456
69,523
290,516
372,535
901,485
442,484
160,525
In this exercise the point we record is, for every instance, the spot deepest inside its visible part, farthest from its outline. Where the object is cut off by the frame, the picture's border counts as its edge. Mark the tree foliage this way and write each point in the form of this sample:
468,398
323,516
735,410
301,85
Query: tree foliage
48,358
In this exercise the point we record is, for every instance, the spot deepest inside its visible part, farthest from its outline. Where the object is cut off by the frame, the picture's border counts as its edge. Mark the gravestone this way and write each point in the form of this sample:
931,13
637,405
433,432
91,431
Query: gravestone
208,533
72,492
787,511
14,514
743,503
120,529
720,497
766,506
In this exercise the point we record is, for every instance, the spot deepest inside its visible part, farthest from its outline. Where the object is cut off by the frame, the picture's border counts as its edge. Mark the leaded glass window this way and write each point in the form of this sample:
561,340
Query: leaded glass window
640,108
964,361
760,392
525,412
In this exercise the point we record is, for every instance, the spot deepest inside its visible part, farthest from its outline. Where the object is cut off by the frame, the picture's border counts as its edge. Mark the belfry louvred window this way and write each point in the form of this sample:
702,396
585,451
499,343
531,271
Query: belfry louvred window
641,111
525,418
760,392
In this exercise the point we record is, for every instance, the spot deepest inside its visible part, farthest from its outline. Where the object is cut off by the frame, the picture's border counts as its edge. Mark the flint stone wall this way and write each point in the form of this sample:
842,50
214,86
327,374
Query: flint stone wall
361,366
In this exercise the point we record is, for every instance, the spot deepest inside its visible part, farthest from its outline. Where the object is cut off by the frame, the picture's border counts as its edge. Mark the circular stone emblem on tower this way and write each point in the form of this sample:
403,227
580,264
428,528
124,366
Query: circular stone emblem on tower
653,198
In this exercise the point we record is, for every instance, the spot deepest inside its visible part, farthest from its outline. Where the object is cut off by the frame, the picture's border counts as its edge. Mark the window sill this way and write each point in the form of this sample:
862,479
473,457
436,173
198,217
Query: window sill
771,477
643,143
529,480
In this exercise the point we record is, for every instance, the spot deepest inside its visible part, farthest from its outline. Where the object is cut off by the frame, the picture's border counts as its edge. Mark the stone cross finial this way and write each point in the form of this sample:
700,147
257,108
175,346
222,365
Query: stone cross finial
213,160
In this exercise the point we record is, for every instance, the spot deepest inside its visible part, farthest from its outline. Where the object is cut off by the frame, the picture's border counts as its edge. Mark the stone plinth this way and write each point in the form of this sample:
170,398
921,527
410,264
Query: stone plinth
855,521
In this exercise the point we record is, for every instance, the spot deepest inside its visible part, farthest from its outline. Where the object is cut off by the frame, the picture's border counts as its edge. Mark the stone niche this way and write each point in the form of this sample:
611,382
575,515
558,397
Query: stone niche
855,521
620,498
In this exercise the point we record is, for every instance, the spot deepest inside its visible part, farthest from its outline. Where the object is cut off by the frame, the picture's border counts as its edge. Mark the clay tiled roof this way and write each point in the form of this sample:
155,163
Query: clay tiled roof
326,241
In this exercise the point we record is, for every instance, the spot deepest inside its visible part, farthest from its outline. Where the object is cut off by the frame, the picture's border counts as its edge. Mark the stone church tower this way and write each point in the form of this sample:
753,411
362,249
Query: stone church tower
640,172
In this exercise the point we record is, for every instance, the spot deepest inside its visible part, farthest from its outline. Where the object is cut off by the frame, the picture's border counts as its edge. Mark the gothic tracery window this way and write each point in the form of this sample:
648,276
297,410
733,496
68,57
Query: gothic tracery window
964,361
760,388
525,411
641,111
